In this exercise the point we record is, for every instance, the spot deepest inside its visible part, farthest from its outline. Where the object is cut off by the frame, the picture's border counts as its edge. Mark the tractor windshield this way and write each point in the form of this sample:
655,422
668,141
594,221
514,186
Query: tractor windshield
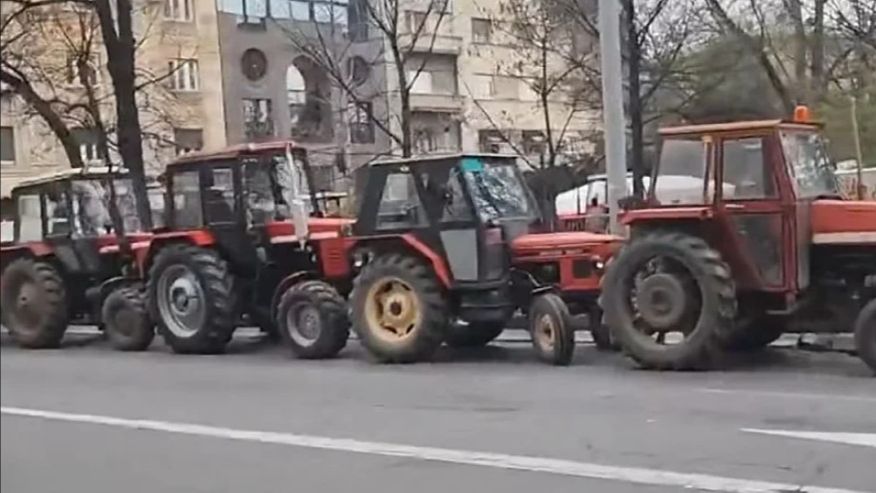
497,189
809,164
91,206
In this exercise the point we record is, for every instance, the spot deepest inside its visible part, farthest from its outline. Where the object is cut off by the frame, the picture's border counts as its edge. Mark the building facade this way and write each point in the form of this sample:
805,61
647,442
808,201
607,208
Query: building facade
181,105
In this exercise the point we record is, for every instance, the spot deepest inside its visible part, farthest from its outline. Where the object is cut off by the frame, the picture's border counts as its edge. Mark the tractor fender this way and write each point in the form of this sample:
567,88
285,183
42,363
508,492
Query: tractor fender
97,294
145,254
409,242
286,283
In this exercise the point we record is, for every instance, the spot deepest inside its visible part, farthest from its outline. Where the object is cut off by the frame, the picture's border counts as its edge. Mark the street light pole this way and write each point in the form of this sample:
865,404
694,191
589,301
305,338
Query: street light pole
613,108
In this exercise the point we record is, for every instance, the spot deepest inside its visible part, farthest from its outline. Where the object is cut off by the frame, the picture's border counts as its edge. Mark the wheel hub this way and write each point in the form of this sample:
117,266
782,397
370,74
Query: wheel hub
545,331
393,308
308,323
181,301
662,301
184,296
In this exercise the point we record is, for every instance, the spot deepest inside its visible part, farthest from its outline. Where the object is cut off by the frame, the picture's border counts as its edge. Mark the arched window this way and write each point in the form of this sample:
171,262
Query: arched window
295,86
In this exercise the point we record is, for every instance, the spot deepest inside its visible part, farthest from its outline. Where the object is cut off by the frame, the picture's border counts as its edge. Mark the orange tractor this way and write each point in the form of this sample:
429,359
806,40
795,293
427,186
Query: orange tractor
744,236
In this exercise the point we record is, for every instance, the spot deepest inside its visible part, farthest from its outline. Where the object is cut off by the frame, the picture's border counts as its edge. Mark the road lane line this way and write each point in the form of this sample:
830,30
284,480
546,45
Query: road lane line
791,395
862,439
465,457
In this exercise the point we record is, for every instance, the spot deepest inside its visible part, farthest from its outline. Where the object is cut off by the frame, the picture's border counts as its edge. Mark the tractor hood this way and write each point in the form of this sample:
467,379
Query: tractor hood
843,221
531,244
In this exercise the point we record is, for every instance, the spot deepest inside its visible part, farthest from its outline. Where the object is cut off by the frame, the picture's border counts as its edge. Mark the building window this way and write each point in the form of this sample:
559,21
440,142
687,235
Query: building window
257,118
358,70
183,74
7,146
322,11
361,123
178,10
74,73
188,140
420,83
481,30
254,64
534,143
358,20
417,21
87,139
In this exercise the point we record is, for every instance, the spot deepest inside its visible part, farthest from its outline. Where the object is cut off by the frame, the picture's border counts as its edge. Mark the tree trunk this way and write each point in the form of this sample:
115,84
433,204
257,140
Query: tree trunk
121,48
634,56
48,114
818,85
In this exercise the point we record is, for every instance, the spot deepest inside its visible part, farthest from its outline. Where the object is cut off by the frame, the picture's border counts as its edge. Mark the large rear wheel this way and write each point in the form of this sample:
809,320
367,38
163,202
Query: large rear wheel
670,301
312,320
399,309
192,299
865,335
34,304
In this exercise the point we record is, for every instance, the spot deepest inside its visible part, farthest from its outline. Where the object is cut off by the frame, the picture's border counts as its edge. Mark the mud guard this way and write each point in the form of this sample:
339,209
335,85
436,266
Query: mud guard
288,282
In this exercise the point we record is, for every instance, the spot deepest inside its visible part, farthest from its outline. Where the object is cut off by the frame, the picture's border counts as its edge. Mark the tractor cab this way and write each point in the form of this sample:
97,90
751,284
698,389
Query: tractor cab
67,215
459,208
244,197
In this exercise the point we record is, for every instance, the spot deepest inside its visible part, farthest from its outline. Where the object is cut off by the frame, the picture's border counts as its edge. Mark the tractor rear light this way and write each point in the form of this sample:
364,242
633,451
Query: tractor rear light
802,114
346,230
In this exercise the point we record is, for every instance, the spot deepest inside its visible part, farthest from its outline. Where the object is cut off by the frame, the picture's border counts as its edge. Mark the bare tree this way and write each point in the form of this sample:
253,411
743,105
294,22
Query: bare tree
395,36
37,85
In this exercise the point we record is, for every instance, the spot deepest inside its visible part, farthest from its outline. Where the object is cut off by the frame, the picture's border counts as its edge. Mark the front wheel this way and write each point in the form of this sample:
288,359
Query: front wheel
34,304
553,336
126,319
865,335
312,320
192,299
399,309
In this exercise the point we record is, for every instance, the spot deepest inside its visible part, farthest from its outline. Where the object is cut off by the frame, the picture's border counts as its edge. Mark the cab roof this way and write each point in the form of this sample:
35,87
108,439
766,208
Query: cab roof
713,128
91,172
236,151
440,157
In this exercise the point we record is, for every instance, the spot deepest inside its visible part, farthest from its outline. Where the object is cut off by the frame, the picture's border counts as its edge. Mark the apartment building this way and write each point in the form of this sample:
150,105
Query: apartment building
460,99
181,99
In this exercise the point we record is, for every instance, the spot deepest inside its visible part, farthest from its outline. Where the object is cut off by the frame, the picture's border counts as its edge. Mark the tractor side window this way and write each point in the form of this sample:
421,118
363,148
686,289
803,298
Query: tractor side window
187,200
30,226
57,213
746,172
91,208
682,172
456,208
400,205
260,206
219,196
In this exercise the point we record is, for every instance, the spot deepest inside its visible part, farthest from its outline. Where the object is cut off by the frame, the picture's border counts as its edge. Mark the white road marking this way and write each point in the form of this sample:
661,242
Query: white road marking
863,439
792,395
487,459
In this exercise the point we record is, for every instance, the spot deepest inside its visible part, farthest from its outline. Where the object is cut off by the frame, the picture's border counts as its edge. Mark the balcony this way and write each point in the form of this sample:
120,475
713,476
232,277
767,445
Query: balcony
438,103
444,44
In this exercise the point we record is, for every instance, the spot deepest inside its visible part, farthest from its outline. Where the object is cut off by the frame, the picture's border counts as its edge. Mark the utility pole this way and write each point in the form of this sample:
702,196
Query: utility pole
858,153
613,108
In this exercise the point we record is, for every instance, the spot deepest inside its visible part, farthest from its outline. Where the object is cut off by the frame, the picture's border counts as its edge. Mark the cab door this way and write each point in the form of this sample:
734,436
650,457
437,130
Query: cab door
749,205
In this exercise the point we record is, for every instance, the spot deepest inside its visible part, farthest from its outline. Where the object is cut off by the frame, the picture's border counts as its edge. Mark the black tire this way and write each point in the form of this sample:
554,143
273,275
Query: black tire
477,334
126,318
34,304
705,270
865,335
213,284
755,334
424,295
317,307
601,333
550,325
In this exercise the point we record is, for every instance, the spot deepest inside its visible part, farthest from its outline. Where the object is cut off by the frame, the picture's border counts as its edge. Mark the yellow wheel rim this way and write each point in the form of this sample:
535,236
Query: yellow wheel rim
392,309
545,331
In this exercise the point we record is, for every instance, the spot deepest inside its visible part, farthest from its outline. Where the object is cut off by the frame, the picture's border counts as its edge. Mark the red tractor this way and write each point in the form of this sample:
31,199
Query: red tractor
68,262
744,236
239,242
443,252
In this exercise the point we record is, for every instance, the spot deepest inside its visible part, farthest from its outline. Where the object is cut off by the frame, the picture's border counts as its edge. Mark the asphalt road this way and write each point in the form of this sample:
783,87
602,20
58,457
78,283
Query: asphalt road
88,419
